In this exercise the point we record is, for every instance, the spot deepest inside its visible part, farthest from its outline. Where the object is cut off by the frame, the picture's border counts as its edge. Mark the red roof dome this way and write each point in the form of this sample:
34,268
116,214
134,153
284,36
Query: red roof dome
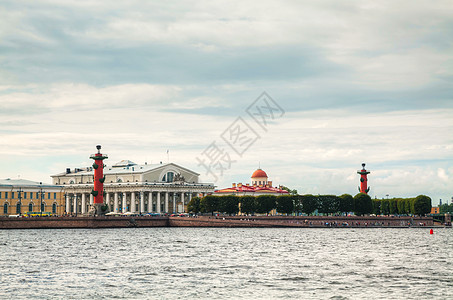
259,173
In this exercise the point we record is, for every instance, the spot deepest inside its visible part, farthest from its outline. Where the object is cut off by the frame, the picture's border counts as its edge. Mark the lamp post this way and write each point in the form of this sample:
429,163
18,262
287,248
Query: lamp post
41,193
65,203
20,200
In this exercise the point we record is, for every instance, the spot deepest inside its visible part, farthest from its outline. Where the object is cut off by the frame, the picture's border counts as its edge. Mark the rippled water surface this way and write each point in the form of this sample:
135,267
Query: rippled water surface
251,263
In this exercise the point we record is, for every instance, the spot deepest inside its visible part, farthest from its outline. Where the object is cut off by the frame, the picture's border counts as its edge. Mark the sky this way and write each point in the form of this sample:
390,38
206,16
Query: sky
348,82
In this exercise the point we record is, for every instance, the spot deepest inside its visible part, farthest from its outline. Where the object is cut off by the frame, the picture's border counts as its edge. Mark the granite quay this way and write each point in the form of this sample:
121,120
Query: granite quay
215,221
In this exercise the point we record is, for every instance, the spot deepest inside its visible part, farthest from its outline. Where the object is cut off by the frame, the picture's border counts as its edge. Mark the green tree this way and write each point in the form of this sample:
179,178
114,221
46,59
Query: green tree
298,205
309,204
376,206
229,204
290,191
393,206
385,207
247,204
401,204
422,205
328,204
446,208
209,204
408,205
346,203
194,205
285,204
265,203
362,204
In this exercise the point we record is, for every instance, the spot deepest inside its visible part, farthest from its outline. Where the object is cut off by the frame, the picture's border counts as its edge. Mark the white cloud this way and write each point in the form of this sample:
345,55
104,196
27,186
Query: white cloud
442,174
361,82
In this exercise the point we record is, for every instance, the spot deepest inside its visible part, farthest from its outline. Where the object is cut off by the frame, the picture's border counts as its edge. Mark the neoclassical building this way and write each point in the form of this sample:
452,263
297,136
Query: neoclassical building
20,196
260,185
129,187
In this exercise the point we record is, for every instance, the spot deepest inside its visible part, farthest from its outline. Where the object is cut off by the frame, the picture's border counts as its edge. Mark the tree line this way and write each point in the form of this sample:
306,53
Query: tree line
446,208
419,205
360,204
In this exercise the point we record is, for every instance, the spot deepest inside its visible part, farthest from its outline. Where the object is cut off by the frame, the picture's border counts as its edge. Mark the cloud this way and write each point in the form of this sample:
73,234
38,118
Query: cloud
442,174
360,82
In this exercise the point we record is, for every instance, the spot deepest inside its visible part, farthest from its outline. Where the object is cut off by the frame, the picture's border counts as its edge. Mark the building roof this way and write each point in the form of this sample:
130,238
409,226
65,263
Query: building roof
252,189
124,163
259,173
122,167
23,183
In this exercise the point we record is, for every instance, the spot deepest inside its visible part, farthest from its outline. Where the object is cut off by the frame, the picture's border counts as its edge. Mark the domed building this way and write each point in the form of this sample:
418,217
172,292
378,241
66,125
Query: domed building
260,185
259,177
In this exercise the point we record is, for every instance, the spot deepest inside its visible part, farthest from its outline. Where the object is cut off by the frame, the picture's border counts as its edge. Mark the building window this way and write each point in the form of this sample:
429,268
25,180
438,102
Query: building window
168,177
30,207
0,195
54,208
48,195
43,206
25,195
5,208
31,195
12,195
18,208
54,196
37,195
6,195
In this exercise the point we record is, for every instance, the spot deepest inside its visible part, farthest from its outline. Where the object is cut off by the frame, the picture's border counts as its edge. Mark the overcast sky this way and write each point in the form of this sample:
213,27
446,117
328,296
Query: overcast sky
356,81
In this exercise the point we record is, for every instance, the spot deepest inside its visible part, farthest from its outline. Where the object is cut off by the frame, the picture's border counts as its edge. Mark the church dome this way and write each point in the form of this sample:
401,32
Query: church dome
259,174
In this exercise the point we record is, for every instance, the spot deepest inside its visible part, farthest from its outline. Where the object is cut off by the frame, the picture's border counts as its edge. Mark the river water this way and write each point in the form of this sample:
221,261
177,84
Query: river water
232,263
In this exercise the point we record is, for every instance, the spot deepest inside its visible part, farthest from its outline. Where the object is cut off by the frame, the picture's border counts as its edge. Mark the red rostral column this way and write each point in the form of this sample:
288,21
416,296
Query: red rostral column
363,180
98,191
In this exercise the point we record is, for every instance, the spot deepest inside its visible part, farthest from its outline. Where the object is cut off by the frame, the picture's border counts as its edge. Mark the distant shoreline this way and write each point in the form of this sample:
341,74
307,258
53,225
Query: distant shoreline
218,221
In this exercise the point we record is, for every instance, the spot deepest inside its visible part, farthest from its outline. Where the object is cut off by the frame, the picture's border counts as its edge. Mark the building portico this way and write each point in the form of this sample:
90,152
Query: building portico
170,194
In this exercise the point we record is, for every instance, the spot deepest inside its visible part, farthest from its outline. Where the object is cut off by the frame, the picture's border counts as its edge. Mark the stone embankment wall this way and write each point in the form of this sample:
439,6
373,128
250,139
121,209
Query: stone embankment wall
82,222
205,221
303,221
339,221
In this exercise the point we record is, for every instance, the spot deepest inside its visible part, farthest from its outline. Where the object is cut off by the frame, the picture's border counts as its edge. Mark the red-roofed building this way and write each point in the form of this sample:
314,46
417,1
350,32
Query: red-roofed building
260,185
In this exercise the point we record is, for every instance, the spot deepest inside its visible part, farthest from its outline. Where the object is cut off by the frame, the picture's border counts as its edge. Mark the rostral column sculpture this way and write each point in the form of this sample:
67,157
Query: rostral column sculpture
99,178
363,180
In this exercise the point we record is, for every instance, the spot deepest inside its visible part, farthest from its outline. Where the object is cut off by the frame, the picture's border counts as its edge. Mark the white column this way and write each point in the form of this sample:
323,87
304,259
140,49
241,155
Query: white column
124,203
150,202
84,204
68,203
182,200
142,202
158,203
92,199
75,203
166,202
107,201
133,207
115,203
174,202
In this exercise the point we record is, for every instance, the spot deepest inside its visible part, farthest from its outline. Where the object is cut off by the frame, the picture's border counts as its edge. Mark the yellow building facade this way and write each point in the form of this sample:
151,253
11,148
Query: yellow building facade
30,198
